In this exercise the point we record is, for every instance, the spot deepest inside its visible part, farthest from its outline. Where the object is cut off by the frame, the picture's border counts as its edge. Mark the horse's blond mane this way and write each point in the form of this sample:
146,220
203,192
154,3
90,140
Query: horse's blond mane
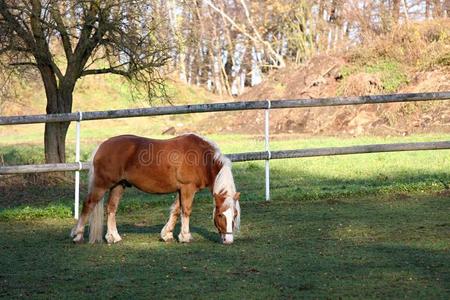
224,179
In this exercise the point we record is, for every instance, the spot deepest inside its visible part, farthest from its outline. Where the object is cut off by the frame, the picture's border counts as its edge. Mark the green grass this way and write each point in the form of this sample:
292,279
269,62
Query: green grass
27,212
391,73
370,247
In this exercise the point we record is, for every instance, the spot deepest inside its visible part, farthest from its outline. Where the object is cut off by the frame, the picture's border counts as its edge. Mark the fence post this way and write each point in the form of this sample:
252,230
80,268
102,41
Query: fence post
267,148
77,173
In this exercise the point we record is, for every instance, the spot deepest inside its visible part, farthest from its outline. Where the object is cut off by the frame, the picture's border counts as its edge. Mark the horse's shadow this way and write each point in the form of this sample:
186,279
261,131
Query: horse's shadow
156,229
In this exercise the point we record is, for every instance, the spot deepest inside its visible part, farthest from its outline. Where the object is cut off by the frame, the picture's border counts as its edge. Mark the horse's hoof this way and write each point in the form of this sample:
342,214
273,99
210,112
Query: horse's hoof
73,232
78,239
112,238
167,237
185,238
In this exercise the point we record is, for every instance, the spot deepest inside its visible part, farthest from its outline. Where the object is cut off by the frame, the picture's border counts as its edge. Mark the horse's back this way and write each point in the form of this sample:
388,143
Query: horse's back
153,165
134,142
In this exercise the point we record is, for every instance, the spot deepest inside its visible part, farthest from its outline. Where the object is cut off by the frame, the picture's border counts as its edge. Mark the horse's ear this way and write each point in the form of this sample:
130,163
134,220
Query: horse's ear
216,199
219,199
237,196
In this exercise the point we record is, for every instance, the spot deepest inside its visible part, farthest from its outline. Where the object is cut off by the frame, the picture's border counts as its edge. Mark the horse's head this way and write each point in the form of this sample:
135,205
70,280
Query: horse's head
227,215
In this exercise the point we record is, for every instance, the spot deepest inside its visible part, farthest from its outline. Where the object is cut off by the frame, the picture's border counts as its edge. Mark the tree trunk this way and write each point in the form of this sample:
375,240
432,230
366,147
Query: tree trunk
447,8
405,11
59,100
437,11
428,9
396,10
54,139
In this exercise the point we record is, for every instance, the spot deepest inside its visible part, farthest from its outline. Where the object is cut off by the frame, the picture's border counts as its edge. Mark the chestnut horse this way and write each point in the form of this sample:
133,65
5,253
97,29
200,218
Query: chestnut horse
184,164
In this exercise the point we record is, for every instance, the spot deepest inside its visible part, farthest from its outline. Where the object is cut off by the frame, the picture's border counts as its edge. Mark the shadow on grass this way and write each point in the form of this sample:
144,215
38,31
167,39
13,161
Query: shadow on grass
156,229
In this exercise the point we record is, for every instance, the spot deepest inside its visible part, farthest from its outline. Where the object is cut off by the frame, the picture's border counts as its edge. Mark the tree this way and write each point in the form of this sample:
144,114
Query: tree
437,9
447,7
396,10
253,33
66,40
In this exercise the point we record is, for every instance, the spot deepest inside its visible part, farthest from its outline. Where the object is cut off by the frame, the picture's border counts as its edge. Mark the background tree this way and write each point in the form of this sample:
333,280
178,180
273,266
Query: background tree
66,40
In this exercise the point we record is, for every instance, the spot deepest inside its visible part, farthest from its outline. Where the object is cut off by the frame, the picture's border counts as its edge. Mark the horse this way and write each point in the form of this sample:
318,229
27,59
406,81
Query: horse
184,165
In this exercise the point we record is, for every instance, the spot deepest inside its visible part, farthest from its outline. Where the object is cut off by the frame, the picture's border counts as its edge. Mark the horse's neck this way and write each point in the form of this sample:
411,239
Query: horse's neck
213,172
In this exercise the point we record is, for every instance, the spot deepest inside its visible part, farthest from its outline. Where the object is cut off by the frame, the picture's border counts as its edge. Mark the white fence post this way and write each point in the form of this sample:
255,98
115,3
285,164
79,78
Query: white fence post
267,148
77,173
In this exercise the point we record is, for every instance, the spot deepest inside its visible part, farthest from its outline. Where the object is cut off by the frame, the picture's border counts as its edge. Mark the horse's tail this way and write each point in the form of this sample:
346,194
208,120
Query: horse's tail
96,223
91,170
96,218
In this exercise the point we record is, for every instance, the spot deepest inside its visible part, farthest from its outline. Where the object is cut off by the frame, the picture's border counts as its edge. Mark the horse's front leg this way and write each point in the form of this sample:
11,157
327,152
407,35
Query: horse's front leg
167,231
187,198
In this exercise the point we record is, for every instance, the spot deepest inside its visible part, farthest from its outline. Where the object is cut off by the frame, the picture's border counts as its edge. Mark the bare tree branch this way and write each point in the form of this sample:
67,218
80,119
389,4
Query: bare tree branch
65,37
24,63
14,23
258,39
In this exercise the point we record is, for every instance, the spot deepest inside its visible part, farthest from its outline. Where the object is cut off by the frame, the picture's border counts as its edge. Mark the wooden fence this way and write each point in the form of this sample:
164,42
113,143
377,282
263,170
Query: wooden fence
266,105
227,106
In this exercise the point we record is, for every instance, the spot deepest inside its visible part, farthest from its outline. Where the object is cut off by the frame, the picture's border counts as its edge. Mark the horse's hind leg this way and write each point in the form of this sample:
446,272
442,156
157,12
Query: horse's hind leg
167,231
92,199
112,235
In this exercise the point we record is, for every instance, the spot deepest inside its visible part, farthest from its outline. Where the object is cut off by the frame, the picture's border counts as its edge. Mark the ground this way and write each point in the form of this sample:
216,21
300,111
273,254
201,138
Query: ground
323,77
364,247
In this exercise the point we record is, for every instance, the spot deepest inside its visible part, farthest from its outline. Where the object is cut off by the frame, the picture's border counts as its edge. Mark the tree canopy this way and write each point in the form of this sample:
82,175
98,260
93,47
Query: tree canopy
66,40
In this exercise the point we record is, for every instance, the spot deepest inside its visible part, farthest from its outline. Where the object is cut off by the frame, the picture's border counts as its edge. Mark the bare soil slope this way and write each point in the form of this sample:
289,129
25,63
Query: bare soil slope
410,58
321,77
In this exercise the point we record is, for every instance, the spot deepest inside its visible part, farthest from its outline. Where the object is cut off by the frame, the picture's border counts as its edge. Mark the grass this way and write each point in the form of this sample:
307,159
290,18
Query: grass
369,247
420,45
391,73
105,92
27,212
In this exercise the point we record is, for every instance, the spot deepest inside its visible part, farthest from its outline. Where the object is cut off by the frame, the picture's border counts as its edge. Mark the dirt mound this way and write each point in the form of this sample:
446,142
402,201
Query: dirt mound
322,77
314,80
429,81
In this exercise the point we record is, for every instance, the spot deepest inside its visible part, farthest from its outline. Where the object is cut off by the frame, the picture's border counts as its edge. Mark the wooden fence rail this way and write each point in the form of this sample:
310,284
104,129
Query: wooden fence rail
216,107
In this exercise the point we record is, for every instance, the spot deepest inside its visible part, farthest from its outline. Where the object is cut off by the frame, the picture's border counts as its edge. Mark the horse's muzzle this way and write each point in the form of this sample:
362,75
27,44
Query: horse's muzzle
227,238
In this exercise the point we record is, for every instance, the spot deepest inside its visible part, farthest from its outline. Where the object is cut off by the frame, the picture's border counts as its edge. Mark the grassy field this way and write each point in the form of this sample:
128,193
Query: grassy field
364,226
363,247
